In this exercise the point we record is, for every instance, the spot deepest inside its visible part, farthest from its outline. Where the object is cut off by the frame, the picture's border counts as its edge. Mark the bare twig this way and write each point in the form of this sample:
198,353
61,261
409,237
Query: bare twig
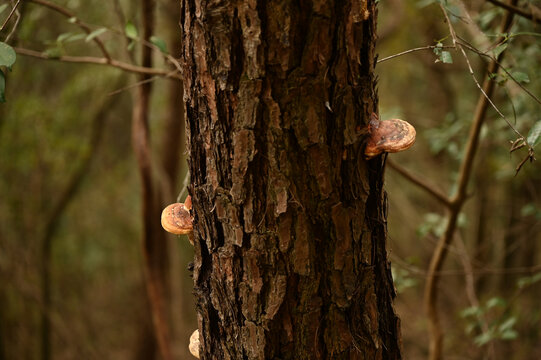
131,86
429,188
430,47
492,58
17,21
470,47
77,21
516,10
440,252
86,27
100,61
10,15
482,90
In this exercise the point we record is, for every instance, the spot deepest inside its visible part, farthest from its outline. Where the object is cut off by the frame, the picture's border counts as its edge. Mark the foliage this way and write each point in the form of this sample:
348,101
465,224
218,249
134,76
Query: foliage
403,279
443,56
499,223
501,326
43,136
7,59
534,136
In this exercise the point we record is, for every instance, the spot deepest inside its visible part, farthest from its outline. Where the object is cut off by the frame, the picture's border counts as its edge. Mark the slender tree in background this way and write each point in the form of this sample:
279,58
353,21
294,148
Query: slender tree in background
290,219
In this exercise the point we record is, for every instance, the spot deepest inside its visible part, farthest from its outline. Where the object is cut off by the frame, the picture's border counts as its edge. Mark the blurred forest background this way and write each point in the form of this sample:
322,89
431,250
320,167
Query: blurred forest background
70,191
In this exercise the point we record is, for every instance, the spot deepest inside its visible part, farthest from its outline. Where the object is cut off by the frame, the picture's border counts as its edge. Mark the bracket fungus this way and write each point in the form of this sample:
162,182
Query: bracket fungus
194,344
388,136
176,218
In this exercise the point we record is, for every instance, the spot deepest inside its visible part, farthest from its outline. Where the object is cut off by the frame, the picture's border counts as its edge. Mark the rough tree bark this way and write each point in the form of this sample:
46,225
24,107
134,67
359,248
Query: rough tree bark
290,219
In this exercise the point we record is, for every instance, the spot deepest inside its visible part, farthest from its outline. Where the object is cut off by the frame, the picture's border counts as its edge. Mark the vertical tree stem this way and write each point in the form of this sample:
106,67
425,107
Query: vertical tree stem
153,241
440,253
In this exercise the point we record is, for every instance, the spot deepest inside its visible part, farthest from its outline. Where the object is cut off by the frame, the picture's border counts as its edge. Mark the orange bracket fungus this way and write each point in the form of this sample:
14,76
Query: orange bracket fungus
388,136
176,218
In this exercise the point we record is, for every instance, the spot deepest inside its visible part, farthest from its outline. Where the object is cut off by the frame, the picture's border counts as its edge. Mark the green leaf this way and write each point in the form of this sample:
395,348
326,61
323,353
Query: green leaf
95,34
424,3
470,311
131,45
484,338
446,57
521,77
509,335
495,301
72,20
437,49
69,37
130,30
507,324
53,53
499,49
486,17
7,55
76,37
534,135
528,280
529,210
3,7
2,87
160,43
63,37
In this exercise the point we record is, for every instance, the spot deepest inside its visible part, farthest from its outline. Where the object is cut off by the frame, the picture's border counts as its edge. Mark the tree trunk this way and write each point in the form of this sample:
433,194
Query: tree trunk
289,218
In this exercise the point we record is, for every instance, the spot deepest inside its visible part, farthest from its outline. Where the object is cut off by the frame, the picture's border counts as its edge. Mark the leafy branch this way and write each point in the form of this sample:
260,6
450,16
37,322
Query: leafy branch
457,201
7,53
100,61
76,21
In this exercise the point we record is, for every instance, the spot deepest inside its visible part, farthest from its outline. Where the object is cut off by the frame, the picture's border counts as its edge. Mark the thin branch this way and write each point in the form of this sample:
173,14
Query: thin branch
134,85
470,47
17,21
516,10
10,15
100,61
96,39
429,188
492,58
430,47
440,252
482,90
77,21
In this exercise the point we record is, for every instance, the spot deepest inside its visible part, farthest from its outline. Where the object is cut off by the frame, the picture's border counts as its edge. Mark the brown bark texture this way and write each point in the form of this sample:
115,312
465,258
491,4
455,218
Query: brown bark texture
289,218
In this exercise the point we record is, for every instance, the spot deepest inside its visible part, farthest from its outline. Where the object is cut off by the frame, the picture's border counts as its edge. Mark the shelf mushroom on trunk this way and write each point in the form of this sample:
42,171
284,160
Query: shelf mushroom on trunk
176,219
388,136
194,344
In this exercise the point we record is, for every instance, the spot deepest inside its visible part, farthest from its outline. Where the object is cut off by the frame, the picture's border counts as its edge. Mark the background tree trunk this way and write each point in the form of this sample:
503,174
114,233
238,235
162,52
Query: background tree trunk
290,220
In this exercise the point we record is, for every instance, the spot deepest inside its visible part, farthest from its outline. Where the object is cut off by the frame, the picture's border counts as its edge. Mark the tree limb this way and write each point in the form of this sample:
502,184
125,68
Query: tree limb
100,61
516,10
429,188
77,21
10,15
440,252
